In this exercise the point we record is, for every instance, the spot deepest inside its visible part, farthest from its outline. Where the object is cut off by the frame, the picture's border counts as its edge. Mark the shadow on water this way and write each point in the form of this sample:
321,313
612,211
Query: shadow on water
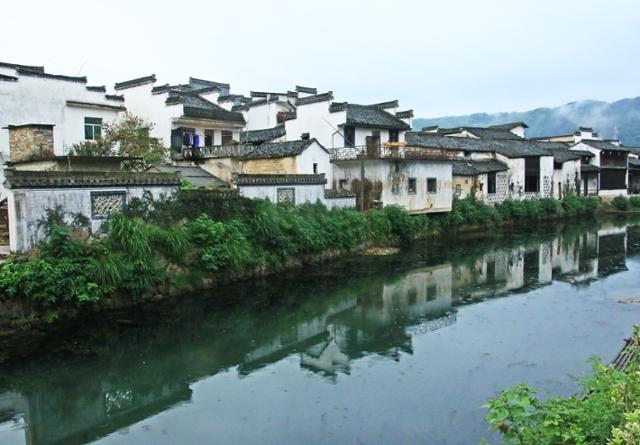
116,371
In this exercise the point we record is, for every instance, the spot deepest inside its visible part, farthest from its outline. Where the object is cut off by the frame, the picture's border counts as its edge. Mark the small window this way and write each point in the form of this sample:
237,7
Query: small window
376,134
349,136
412,185
458,189
432,185
106,204
208,138
341,184
286,196
491,183
304,136
227,137
394,135
315,168
92,128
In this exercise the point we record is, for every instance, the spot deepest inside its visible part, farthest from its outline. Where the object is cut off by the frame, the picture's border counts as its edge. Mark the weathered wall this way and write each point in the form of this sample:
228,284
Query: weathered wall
340,203
30,142
316,120
27,206
223,168
394,176
564,179
307,193
270,166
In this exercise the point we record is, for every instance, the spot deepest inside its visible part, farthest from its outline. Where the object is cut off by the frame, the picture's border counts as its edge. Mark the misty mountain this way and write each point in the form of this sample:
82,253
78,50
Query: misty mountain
620,119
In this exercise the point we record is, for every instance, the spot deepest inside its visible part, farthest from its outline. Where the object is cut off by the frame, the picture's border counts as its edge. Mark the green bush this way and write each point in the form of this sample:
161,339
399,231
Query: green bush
635,201
621,203
222,244
379,227
403,226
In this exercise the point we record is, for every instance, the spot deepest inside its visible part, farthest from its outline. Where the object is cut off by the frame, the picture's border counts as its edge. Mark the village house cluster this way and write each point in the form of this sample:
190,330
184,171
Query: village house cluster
294,146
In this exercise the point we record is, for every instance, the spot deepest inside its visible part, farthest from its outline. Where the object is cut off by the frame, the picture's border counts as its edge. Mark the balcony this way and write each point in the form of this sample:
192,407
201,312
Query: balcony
389,151
214,151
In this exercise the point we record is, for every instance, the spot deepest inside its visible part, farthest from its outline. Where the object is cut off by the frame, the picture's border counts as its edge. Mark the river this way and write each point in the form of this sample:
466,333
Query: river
401,349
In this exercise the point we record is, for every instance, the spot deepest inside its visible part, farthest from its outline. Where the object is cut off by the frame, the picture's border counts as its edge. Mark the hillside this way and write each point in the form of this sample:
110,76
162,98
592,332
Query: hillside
619,119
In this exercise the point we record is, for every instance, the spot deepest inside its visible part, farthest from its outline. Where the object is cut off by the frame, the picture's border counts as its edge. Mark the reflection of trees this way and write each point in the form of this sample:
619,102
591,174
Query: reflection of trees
328,316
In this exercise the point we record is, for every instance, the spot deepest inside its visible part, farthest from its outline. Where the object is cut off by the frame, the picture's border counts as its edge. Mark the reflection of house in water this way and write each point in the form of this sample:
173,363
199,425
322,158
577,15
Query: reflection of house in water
378,324
612,250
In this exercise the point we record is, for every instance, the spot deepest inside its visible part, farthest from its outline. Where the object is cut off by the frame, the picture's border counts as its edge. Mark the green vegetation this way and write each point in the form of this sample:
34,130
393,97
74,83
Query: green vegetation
605,411
623,203
197,233
129,136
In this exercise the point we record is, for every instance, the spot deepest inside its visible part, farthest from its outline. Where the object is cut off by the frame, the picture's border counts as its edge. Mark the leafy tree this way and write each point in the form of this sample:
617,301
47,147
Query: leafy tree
129,136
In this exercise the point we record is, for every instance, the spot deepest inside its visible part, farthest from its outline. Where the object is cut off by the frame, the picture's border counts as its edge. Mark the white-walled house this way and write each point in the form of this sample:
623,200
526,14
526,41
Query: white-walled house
342,124
485,179
611,161
288,157
44,114
530,166
186,115
569,176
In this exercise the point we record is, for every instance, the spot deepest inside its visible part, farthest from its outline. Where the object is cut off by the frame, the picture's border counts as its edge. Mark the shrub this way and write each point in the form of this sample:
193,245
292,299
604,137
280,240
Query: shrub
403,227
378,227
621,203
221,244
635,201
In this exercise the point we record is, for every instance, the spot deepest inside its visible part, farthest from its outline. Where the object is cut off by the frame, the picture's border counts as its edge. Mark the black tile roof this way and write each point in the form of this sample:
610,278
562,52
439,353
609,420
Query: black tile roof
135,82
408,114
19,179
306,90
115,97
634,150
195,175
372,117
15,66
589,168
97,88
264,135
233,98
509,125
43,75
635,163
8,78
272,150
474,168
203,83
481,132
267,179
385,105
604,145
197,107
77,103
509,148
313,99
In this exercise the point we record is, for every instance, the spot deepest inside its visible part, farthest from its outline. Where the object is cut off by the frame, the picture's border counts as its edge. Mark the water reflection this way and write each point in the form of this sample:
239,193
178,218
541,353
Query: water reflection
325,323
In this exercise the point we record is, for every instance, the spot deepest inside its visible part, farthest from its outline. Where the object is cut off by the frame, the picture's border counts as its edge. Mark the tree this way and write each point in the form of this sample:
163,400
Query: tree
129,136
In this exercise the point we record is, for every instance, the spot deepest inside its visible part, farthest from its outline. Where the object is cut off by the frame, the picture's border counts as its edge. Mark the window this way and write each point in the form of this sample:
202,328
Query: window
227,137
349,136
341,184
458,190
432,185
491,269
105,204
491,182
412,186
208,138
315,168
304,136
92,128
532,174
286,195
394,135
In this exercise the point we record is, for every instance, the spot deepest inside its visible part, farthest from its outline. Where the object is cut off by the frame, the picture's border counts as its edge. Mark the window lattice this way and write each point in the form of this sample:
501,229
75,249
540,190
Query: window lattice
106,204
286,196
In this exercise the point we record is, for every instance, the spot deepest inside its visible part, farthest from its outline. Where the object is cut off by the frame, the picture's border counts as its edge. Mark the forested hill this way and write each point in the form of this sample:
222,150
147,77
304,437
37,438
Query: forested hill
619,119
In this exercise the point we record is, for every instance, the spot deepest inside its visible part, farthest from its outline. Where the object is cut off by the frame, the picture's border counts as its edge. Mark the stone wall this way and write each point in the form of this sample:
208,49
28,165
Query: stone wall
30,141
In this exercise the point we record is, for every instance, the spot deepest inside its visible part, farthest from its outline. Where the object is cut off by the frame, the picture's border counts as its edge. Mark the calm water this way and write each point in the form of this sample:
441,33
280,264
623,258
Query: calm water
393,350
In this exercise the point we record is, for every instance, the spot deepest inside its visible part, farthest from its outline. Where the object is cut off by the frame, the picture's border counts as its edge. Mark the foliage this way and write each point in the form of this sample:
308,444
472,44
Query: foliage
129,136
621,203
403,225
379,227
606,407
222,244
635,201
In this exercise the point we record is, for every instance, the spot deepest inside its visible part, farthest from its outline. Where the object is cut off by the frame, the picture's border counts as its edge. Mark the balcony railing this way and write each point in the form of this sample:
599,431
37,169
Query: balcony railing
389,152
215,151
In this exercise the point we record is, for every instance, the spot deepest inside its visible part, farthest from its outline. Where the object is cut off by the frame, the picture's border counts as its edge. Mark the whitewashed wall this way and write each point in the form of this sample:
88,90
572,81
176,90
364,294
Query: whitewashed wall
265,115
316,120
304,193
340,203
565,177
35,100
384,171
26,207
315,154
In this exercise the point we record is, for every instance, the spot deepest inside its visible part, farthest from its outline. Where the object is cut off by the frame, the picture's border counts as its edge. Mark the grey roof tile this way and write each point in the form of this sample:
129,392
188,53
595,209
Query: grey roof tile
372,117
474,168
135,82
271,150
264,135
604,145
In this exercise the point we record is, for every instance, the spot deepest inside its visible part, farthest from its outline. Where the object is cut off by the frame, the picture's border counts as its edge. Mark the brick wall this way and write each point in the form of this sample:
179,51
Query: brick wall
29,142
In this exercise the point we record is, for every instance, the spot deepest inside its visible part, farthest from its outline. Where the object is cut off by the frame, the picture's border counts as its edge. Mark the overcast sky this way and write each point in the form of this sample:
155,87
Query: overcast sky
438,57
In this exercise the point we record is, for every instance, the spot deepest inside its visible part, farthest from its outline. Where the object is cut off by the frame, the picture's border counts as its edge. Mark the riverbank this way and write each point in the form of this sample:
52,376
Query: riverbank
164,249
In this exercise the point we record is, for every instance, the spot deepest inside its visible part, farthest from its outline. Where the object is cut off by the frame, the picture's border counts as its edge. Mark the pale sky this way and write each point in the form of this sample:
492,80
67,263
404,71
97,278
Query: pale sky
437,57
